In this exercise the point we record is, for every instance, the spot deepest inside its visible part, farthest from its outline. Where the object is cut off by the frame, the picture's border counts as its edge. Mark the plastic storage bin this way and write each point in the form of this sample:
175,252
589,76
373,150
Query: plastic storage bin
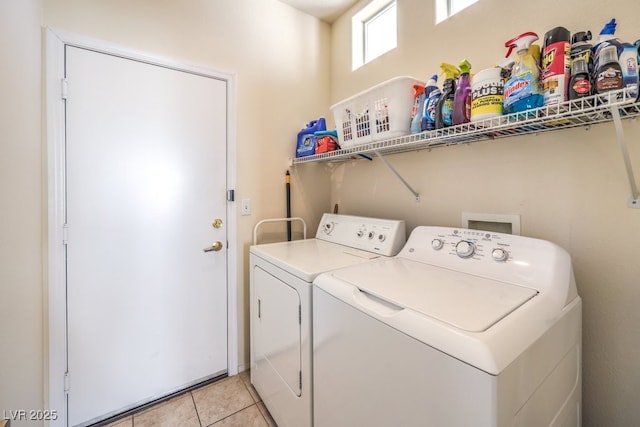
381,112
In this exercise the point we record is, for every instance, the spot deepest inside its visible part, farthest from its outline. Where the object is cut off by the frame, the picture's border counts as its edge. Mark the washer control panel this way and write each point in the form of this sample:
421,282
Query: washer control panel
521,260
470,244
465,243
376,235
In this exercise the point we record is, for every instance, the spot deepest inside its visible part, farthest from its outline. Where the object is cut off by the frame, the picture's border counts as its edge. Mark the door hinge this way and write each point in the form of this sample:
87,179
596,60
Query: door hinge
300,380
231,195
299,315
65,234
64,88
66,382
259,309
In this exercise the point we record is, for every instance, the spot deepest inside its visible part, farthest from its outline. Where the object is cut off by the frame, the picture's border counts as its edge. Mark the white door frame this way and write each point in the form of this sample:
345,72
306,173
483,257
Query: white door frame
55,343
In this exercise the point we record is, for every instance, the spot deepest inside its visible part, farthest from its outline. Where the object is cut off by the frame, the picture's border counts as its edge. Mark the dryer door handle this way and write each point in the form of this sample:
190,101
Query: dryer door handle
375,304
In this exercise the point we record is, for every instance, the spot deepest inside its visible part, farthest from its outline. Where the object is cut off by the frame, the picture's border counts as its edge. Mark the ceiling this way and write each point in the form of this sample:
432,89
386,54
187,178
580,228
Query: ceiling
327,10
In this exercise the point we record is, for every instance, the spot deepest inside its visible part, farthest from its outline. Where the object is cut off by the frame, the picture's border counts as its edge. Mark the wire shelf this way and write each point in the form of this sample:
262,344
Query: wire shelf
583,112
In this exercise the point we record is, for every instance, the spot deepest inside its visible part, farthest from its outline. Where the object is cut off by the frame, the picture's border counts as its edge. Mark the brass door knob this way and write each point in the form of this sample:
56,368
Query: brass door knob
217,223
215,247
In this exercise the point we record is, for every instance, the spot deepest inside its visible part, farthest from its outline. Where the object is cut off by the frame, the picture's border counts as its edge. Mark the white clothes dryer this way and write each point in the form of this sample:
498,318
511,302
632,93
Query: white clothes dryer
461,328
281,276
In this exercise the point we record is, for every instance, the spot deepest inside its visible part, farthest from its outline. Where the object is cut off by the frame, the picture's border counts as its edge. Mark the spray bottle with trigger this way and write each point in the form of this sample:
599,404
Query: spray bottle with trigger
462,98
418,105
522,91
444,108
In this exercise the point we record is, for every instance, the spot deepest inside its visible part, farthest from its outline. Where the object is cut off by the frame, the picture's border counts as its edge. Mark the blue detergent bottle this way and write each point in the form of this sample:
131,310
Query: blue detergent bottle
522,91
432,93
306,145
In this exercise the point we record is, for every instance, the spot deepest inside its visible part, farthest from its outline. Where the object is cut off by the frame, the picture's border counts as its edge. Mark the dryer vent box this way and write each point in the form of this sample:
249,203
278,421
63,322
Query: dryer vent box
508,224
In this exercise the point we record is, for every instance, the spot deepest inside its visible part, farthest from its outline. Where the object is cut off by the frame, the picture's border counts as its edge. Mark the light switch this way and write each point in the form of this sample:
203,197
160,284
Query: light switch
246,207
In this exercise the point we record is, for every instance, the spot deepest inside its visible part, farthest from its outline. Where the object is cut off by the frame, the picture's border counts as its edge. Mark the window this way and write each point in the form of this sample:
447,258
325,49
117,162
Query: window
374,31
447,8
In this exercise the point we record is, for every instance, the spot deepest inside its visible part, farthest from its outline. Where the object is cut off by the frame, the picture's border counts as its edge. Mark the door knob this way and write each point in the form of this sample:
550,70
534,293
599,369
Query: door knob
215,247
217,223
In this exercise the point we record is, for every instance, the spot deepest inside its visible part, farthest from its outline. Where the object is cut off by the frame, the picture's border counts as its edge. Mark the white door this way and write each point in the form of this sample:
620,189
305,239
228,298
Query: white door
145,180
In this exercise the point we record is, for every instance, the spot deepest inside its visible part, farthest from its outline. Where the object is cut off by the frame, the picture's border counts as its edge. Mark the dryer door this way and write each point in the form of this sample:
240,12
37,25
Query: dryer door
277,335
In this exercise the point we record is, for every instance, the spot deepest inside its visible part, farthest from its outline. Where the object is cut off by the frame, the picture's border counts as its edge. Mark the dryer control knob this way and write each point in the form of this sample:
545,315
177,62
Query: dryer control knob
360,233
437,244
382,237
371,235
465,248
500,254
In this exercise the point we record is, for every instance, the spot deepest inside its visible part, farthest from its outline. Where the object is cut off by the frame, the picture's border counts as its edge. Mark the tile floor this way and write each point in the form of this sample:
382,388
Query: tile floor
231,402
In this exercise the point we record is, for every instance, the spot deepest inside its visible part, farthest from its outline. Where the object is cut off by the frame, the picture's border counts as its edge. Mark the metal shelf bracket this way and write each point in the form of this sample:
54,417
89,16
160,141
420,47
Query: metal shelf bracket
395,172
634,200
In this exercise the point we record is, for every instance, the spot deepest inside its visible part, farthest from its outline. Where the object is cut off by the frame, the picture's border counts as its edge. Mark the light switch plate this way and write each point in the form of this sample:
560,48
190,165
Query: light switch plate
246,207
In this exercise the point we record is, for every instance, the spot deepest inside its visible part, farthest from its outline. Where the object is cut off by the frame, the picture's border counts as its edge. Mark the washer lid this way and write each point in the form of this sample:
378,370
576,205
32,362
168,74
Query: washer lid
468,302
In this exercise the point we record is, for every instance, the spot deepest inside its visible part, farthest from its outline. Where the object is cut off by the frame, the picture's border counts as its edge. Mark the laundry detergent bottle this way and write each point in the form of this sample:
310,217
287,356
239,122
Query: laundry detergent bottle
444,108
522,91
462,97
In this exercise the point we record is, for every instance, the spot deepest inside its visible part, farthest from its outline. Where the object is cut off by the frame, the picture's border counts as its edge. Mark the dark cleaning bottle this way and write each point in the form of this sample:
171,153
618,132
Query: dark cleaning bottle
580,85
444,108
581,48
609,72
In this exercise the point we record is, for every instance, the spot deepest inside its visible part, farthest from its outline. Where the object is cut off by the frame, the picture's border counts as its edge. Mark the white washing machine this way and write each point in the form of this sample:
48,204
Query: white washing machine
461,328
281,276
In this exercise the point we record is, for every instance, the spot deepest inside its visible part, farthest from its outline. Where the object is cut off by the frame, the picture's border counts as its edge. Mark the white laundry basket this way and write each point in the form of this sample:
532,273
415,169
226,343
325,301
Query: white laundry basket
381,112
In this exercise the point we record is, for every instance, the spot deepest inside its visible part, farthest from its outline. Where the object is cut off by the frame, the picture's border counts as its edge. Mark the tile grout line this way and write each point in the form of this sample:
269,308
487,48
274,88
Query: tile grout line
238,411
254,400
196,408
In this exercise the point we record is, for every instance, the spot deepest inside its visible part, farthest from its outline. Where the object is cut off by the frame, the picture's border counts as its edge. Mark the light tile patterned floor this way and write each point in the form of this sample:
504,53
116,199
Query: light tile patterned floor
232,402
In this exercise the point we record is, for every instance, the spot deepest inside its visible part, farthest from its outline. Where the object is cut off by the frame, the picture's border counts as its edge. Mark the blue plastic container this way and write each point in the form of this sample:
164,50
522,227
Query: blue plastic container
307,140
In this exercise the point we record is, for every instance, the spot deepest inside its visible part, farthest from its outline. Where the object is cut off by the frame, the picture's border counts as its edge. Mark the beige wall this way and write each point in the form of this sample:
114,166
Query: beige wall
21,357
569,187
281,59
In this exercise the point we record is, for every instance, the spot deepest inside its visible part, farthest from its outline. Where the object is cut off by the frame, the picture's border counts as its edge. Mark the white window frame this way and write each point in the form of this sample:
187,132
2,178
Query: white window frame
447,8
359,25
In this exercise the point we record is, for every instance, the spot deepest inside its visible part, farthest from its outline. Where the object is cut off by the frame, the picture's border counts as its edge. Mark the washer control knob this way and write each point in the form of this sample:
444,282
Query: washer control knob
382,237
465,248
437,244
499,254
371,235
360,233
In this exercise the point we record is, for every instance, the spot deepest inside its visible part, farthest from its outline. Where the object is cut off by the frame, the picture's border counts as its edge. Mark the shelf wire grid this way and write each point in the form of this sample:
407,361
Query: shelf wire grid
583,112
